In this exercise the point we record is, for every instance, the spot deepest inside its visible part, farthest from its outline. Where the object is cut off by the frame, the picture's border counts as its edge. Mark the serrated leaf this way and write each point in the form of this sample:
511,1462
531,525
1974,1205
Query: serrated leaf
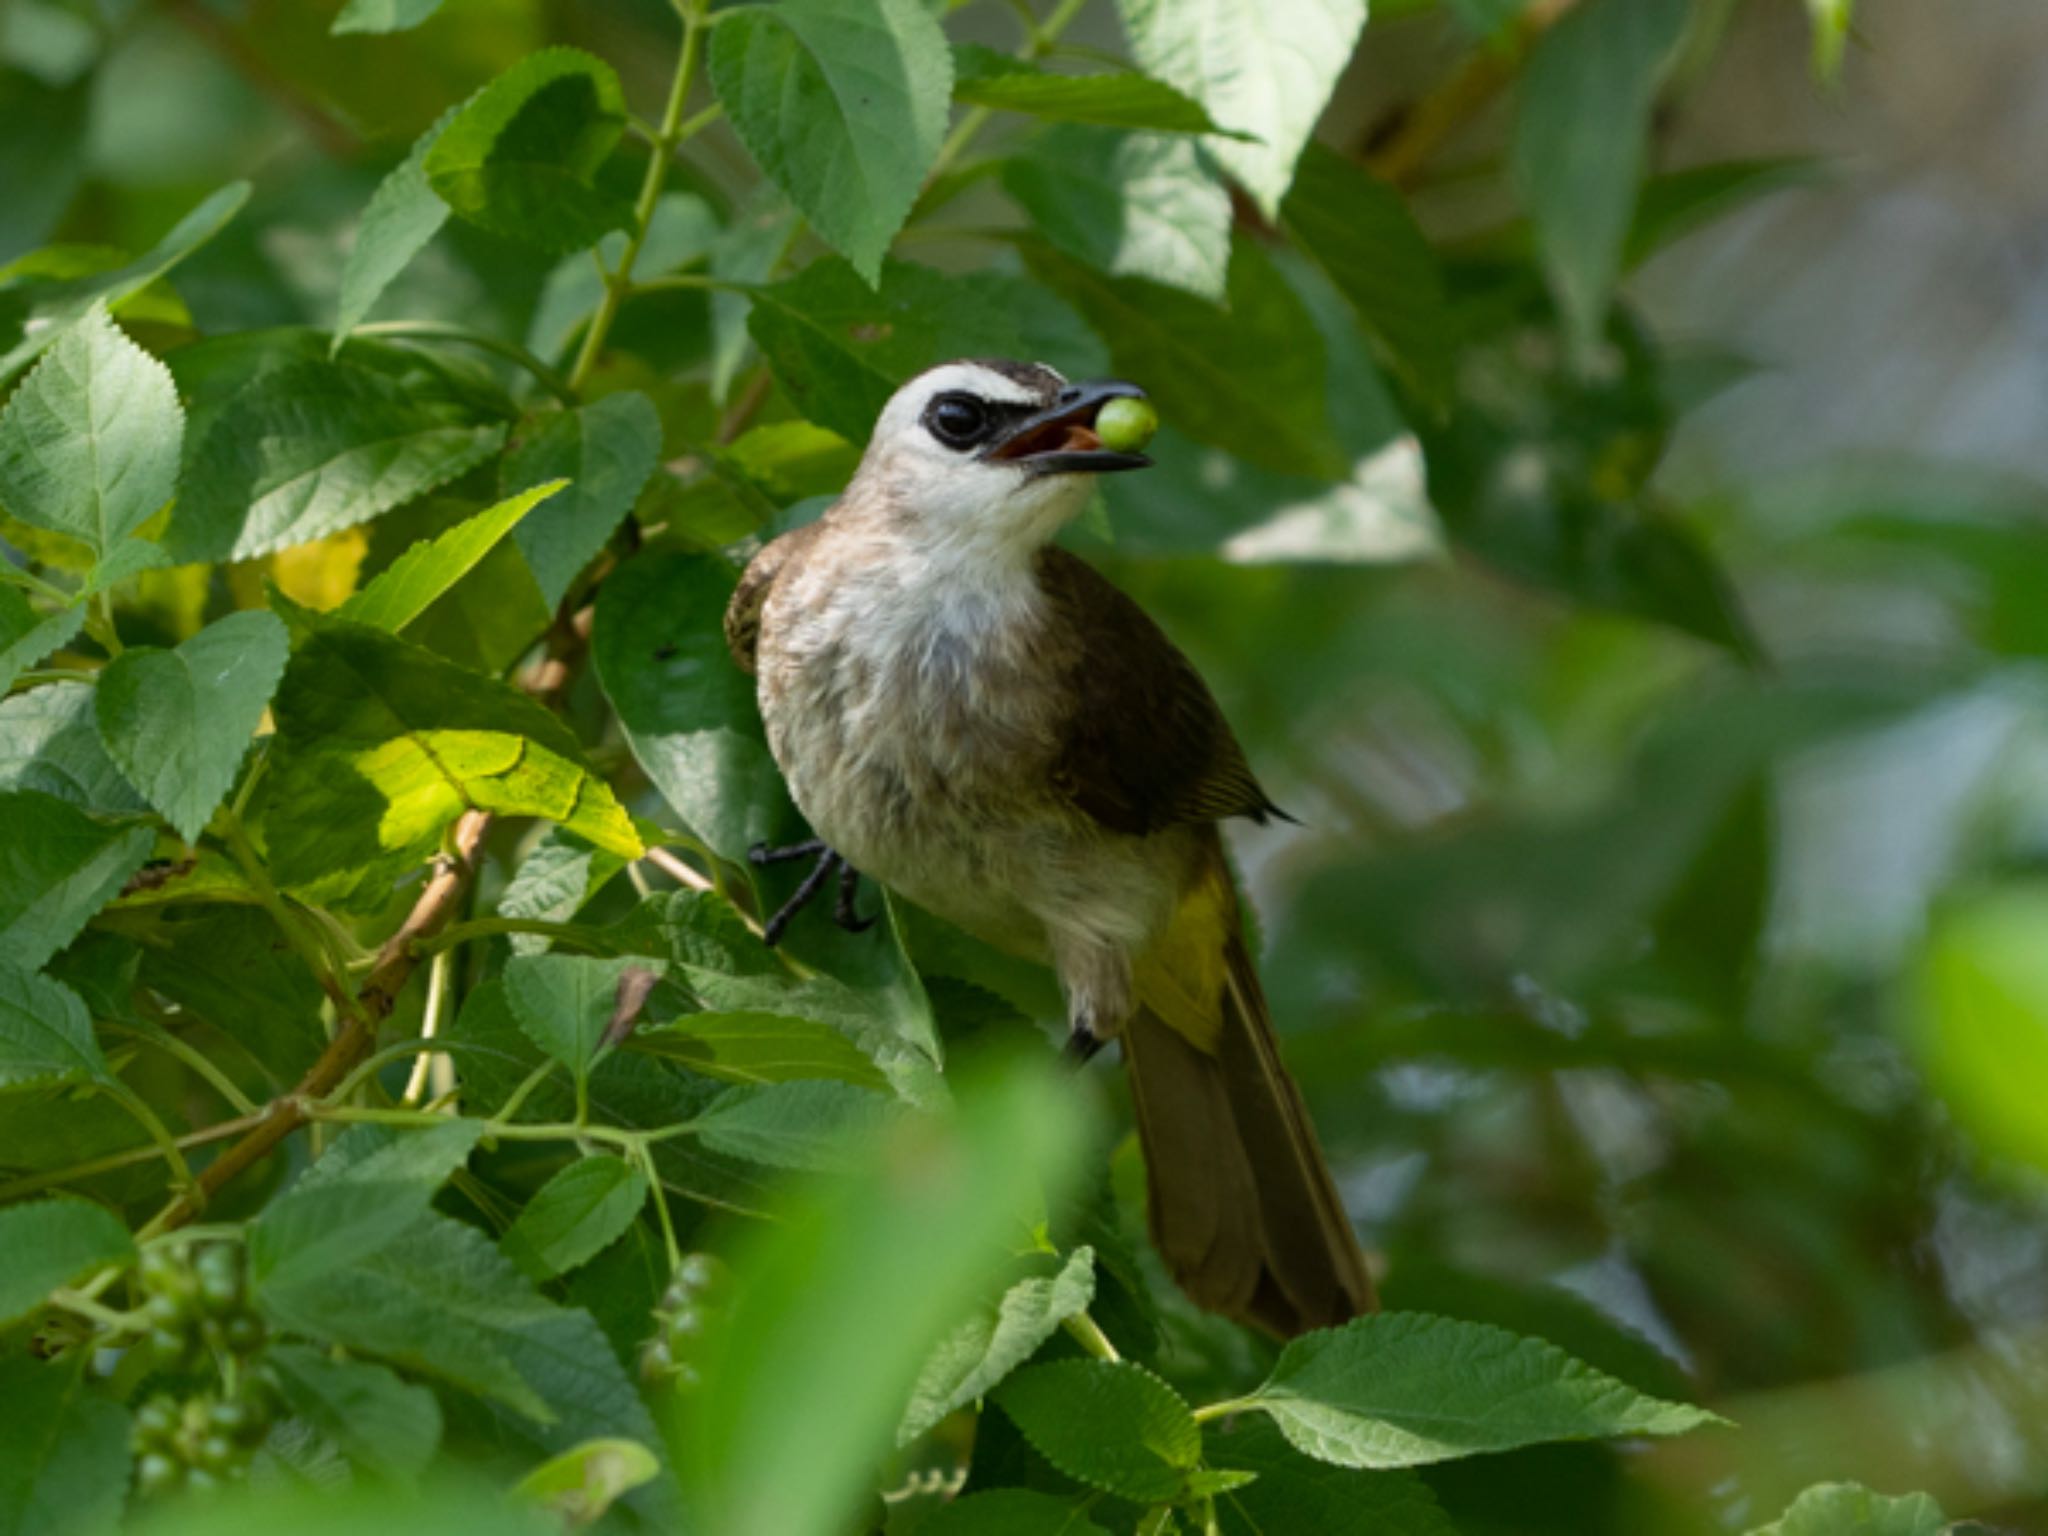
581,1210
57,868
407,587
1131,204
122,563
606,450
1579,149
26,636
311,448
1848,1509
987,1347
373,1184
565,1003
52,1242
1265,68
1120,98
89,443
62,305
50,742
1247,376
403,214
382,744
521,156
1010,1512
1293,1494
841,348
1407,1389
745,1047
384,1426
815,1124
383,15
842,106
1360,232
558,875
66,1467
1110,1424
179,722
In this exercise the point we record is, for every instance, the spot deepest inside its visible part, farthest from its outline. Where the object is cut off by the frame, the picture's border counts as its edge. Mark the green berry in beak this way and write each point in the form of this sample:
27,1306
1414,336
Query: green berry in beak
1126,424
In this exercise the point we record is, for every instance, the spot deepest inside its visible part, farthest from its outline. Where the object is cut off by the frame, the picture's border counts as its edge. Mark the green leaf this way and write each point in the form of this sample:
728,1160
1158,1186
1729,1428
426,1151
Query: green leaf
606,450
408,586
57,868
683,229
52,1242
1247,376
838,1303
383,15
66,1467
1120,98
521,156
231,967
745,1047
89,443
1360,232
807,1124
842,106
565,1003
50,742
1676,203
558,875
1578,151
403,214
658,642
120,564
384,1426
54,310
179,722
841,349
372,1185
1131,205
580,1484
1010,1512
382,744
314,447
1407,1389
26,637
1110,1424
581,1210
978,1354
1291,1494
1263,67
1848,1509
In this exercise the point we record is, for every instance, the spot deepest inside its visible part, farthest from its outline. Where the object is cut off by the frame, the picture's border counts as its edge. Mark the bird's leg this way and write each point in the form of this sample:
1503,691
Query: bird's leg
761,853
814,882
843,912
1082,1044
1095,975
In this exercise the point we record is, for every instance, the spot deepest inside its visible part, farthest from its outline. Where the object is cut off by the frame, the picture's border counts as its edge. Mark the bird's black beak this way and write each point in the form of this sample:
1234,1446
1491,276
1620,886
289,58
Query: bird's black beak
1061,440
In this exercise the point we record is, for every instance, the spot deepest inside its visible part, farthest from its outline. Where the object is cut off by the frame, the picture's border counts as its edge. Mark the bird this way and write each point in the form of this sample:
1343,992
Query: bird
975,717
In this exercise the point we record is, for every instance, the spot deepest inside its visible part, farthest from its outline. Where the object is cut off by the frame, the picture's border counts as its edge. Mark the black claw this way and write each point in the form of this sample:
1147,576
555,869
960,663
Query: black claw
776,926
843,912
1082,1044
761,853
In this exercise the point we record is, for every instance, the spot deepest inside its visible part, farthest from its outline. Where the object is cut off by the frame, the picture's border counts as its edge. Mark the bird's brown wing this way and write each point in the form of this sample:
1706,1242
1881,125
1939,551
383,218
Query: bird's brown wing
743,613
1144,745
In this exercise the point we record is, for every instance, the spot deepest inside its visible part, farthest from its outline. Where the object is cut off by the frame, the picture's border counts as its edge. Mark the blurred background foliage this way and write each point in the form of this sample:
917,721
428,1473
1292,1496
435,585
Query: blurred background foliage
1660,692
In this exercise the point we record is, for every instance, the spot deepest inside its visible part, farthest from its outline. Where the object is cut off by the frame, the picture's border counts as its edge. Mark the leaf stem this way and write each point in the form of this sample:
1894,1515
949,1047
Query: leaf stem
1037,43
1089,1335
666,138
430,1026
158,1132
580,934
32,1183
511,351
1228,1406
106,1317
194,1059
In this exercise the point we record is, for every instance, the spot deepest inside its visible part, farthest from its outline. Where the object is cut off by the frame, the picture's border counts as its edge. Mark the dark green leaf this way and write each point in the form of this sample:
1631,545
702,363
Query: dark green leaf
1110,1424
66,1468
581,1210
842,106
817,1124
1675,204
996,1340
1406,1389
607,450
52,1243
521,156
43,157
1262,67
383,15
178,722
565,1003
1117,99
407,587
1578,150
232,968
1847,1509
26,637
1293,1494
403,214
57,868
682,230
1010,1512
758,1048
50,741
558,875
382,1425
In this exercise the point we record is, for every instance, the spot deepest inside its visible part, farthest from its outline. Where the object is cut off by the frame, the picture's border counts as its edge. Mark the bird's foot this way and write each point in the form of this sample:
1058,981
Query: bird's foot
843,912
1082,1044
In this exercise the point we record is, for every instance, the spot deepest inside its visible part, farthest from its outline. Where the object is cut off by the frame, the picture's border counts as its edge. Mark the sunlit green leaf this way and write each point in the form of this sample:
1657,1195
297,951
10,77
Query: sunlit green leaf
581,1483
1847,1509
408,586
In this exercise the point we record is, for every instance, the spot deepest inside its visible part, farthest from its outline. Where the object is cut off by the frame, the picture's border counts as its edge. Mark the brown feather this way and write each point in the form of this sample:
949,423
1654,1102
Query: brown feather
743,613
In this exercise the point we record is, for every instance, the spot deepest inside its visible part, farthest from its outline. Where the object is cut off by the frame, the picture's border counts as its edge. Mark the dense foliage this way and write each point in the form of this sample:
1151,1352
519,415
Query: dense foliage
401,1118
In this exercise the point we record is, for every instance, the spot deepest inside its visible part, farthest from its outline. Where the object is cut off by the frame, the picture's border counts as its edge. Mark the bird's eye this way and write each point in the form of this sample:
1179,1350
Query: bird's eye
958,421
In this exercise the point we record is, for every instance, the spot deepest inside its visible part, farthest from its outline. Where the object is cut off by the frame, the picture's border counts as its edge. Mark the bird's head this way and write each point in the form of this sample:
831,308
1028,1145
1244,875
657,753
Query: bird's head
990,450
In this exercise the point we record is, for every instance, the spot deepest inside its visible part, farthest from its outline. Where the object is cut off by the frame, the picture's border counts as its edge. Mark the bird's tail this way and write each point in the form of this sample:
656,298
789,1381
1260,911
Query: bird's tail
1241,1203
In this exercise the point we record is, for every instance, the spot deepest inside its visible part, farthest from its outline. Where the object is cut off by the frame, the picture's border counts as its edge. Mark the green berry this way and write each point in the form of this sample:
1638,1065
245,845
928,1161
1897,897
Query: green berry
231,1417
243,1333
168,1345
220,1278
156,1420
166,1312
217,1453
157,1474
1126,423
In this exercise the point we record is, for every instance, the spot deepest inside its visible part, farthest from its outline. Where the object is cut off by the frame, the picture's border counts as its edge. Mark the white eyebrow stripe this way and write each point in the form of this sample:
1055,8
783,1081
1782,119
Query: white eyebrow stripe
985,382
